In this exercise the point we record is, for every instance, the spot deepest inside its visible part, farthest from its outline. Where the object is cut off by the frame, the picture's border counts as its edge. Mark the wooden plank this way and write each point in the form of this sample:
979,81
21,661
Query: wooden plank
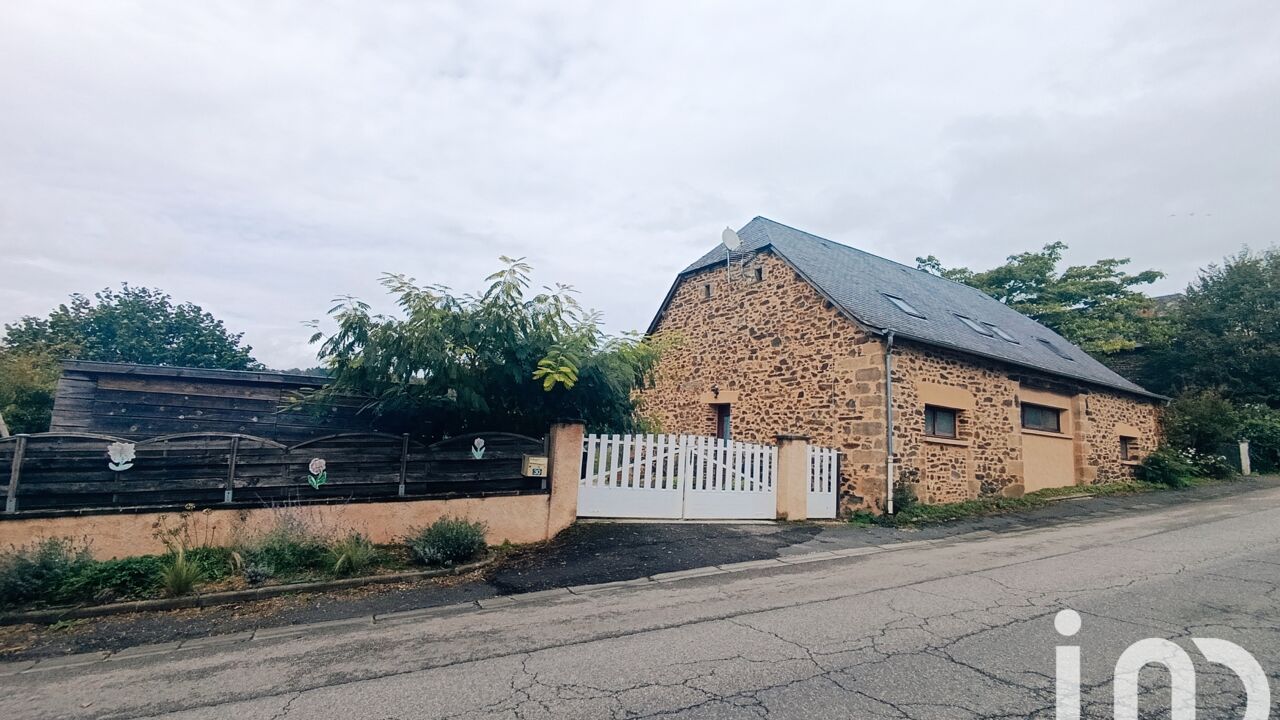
143,397
122,486
231,470
15,472
177,413
404,463
588,473
143,428
173,386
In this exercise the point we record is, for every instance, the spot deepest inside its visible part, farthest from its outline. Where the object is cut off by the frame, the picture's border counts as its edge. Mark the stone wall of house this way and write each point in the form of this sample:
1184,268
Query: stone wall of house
987,455
1107,417
785,360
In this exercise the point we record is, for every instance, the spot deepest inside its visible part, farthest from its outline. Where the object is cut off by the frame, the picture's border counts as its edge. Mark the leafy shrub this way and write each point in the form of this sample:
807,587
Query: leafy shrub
111,580
214,563
1209,465
542,357
290,547
286,556
352,554
34,573
256,574
1166,466
180,575
904,497
447,541
862,518
1202,421
1260,425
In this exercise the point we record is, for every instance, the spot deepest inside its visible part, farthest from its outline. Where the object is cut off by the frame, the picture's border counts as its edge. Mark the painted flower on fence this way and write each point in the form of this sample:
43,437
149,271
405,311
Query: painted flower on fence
318,475
121,456
477,449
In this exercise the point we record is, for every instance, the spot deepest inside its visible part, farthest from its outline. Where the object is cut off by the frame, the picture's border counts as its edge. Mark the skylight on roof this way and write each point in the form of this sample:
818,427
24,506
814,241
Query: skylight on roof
975,326
1001,333
904,306
1056,350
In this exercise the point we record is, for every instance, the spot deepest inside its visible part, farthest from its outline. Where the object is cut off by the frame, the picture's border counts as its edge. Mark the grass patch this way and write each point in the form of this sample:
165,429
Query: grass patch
180,575
917,513
352,555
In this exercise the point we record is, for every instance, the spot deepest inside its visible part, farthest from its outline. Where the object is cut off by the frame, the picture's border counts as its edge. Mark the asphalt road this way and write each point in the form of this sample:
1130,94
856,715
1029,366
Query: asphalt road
959,627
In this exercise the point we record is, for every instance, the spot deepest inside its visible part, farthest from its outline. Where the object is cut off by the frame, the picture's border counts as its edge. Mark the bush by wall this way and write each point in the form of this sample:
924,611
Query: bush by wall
1208,427
447,542
1165,466
1202,421
1260,425
35,572
60,571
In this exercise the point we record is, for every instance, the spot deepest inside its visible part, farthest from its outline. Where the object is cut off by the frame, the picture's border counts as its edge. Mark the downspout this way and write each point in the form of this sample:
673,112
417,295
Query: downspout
888,421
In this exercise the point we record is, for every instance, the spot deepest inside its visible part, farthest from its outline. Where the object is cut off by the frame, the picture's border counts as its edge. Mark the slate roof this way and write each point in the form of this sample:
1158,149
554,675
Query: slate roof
858,282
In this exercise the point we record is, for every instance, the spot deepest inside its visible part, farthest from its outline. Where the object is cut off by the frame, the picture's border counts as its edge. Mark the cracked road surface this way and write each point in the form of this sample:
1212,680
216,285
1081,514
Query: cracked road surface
959,628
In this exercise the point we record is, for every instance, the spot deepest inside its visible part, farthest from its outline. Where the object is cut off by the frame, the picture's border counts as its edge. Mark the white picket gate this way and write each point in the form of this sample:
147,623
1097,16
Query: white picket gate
823,478
677,476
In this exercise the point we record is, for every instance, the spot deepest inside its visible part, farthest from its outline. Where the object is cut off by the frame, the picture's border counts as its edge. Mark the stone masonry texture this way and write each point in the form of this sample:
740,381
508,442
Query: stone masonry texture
761,339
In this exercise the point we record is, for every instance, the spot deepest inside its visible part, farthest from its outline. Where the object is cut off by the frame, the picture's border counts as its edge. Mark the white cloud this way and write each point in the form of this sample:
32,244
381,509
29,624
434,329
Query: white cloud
260,160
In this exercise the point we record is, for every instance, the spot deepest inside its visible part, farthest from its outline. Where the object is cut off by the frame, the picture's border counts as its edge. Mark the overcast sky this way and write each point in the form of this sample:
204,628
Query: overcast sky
262,158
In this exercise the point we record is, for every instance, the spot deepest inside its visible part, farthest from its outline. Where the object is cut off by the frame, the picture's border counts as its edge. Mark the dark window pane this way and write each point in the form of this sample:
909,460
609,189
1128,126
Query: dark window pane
724,422
1038,417
940,422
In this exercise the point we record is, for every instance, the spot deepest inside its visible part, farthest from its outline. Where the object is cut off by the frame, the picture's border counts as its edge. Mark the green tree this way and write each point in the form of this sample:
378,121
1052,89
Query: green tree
27,382
1094,306
1225,333
495,361
134,325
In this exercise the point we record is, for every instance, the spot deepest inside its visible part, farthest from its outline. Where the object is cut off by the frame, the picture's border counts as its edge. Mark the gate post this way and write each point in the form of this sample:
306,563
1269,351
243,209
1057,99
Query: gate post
565,461
793,477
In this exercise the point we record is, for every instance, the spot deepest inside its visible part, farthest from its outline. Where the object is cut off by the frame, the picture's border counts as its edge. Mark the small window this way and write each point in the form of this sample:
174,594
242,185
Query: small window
939,421
706,291
1128,448
1000,333
975,326
1039,417
759,274
1055,349
904,306
724,422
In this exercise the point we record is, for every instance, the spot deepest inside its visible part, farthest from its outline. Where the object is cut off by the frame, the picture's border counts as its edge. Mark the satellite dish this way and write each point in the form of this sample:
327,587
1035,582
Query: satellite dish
730,239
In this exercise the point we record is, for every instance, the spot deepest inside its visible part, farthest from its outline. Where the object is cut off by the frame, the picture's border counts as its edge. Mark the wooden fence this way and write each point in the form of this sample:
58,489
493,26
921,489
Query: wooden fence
74,471
146,401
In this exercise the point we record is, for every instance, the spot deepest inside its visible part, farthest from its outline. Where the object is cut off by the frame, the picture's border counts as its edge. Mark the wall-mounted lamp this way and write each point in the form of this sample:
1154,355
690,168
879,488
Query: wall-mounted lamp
715,390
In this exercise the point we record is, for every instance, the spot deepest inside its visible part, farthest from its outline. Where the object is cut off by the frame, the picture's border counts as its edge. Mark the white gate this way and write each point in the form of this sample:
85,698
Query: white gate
823,481
677,476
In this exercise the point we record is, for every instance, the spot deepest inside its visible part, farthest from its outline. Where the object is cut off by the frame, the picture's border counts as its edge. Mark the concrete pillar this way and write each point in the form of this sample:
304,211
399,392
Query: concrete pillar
564,460
793,477
1245,467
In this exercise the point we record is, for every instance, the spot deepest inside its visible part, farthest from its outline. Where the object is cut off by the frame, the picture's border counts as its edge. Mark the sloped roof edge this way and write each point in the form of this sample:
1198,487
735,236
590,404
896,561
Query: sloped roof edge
757,237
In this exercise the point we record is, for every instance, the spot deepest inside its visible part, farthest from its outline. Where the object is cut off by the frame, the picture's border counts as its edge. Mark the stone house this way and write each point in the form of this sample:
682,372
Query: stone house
795,334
